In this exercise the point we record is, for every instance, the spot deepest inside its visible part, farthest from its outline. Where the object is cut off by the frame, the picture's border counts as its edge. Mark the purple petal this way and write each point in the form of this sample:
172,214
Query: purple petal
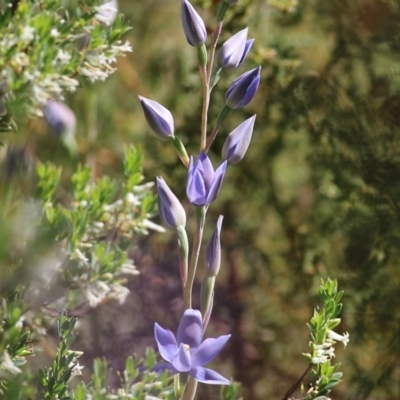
190,329
182,361
208,170
243,89
209,376
193,25
247,47
60,117
161,367
213,250
196,190
217,182
232,50
208,350
166,342
158,117
237,142
250,92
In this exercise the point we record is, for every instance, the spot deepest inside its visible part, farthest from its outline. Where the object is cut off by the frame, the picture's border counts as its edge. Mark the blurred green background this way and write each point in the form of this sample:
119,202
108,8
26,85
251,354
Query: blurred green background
317,195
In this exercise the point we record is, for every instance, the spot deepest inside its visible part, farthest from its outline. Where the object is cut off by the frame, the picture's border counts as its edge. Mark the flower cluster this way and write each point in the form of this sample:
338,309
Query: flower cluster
185,353
44,49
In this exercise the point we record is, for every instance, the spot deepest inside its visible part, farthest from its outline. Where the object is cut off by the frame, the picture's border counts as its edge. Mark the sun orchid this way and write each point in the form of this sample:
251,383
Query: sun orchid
203,183
186,352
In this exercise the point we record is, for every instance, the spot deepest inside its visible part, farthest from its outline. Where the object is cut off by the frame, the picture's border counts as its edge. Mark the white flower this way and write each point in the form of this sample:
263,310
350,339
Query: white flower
339,338
8,365
126,47
54,33
319,360
129,269
119,293
151,225
78,255
27,34
63,56
76,369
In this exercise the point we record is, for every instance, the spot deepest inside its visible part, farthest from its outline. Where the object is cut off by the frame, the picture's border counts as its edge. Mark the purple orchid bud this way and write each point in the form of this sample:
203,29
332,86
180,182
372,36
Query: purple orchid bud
172,213
243,89
237,142
203,184
213,250
193,25
187,352
158,117
234,51
60,118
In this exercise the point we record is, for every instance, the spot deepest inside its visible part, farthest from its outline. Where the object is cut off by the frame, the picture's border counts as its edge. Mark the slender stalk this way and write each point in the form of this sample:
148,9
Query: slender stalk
297,383
190,390
215,37
211,138
187,290
206,100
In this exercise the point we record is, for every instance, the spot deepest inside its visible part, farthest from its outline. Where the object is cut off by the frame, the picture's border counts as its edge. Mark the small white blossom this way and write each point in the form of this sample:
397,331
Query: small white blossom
339,338
129,269
319,360
126,47
54,33
8,365
151,225
132,199
76,370
63,56
119,293
27,34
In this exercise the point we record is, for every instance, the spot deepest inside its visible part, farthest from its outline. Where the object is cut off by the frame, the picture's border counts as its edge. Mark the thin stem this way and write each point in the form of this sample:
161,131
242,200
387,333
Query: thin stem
206,100
190,390
297,383
187,290
215,37
211,138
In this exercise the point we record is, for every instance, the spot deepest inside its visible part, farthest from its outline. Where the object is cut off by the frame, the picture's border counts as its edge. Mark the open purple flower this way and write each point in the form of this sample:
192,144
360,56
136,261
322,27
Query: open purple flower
234,51
203,183
187,353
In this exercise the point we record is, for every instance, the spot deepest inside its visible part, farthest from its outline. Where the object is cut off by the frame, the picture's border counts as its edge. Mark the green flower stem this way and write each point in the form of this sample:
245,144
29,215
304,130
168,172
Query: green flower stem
190,391
187,290
183,253
206,101
215,37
